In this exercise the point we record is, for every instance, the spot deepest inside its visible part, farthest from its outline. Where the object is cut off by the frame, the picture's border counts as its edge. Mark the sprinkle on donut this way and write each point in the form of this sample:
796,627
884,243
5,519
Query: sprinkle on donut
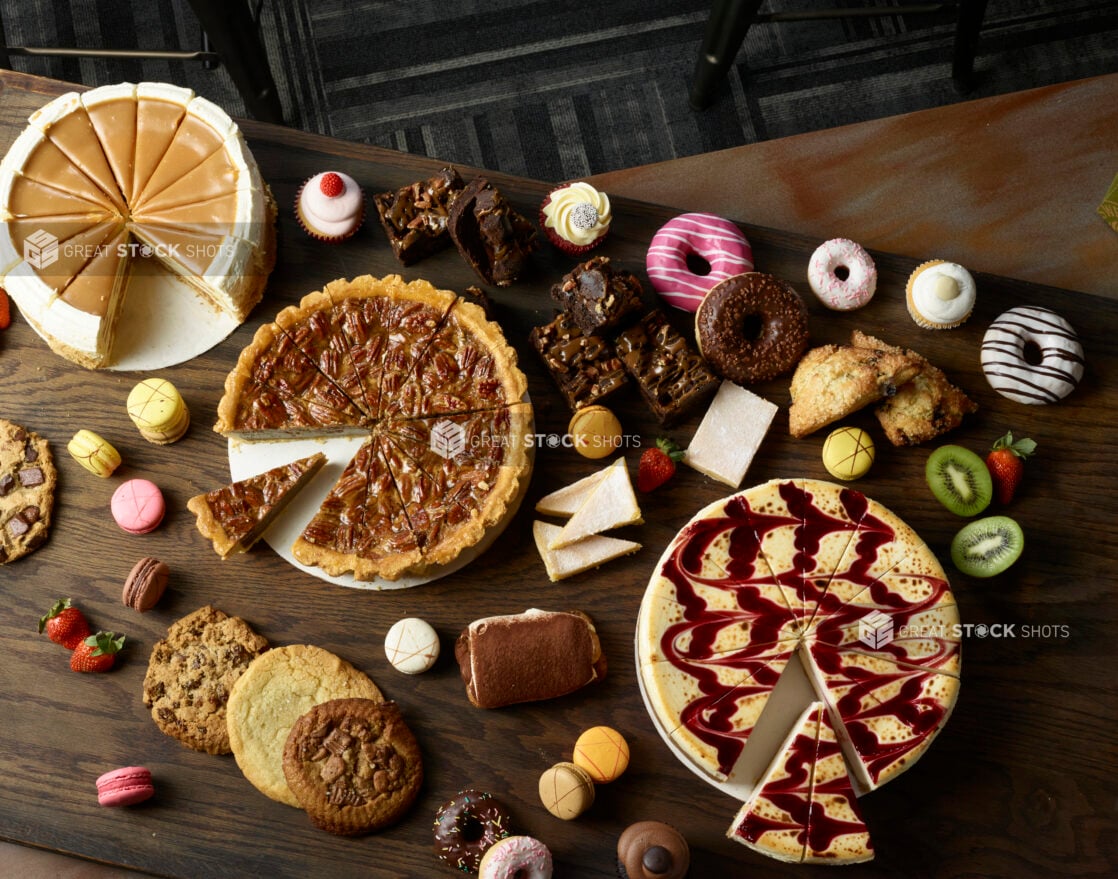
1032,355
466,826
692,253
517,857
842,274
752,328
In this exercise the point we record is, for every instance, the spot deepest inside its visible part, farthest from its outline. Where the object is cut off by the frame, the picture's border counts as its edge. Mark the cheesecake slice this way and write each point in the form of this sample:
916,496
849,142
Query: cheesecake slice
235,516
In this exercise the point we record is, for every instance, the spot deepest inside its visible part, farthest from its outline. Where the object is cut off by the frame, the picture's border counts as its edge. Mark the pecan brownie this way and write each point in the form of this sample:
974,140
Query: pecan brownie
585,367
414,217
598,296
489,233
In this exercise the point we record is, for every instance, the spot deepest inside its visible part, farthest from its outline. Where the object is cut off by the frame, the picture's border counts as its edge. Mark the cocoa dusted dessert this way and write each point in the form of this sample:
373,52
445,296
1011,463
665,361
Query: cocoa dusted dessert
585,367
415,216
489,233
597,295
672,377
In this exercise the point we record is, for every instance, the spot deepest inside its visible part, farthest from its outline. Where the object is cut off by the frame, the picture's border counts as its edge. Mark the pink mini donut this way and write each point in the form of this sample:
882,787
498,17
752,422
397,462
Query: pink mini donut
704,238
516,857
842,274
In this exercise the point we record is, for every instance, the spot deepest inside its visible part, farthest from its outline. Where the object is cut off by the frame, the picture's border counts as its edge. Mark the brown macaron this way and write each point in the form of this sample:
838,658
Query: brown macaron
145,584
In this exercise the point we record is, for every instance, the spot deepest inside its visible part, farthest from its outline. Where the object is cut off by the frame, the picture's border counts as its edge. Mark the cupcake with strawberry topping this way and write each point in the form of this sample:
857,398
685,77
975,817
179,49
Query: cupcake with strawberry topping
575,217
330,206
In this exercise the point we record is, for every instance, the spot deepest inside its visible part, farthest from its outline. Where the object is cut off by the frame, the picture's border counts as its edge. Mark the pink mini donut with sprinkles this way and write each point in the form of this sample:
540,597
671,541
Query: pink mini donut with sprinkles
842,274
693,252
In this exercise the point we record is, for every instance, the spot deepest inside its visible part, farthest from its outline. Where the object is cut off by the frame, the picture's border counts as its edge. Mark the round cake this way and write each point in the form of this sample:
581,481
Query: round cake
141,180
433,391
808,567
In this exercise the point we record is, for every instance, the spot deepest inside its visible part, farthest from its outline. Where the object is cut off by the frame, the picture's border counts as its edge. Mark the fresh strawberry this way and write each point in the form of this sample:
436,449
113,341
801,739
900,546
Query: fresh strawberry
657,465
331,185
97,652
5,310
64,624
1006,463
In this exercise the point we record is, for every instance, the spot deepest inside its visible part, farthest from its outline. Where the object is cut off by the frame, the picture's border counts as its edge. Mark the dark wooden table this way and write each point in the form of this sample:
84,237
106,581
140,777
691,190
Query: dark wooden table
1020,783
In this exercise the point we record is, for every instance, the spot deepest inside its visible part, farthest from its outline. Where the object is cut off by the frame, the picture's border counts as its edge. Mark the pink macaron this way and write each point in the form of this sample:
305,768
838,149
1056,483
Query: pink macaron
125,787
137,506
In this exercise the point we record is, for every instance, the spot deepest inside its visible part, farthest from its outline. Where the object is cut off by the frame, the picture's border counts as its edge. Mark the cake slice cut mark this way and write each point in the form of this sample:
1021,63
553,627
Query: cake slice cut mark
774,819
214,177
31,198
217,215
416,326
98,288
73,133
112,113
188,251
74,254
836,829
158,117
195,140
45,163
611,504
21,234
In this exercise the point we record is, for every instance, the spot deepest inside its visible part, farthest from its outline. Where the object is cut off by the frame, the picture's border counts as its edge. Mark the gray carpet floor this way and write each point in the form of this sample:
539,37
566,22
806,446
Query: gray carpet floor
556,90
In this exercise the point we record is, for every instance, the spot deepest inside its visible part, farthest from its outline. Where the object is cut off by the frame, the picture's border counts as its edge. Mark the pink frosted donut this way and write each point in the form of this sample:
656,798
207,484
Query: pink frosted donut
842,274
516,857
693,252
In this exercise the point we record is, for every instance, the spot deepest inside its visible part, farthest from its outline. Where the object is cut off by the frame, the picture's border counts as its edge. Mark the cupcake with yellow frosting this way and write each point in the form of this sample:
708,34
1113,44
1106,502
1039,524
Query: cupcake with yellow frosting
940,295
575,217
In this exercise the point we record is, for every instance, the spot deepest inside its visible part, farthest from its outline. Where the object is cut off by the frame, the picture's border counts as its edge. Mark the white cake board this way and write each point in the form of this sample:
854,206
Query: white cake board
251,458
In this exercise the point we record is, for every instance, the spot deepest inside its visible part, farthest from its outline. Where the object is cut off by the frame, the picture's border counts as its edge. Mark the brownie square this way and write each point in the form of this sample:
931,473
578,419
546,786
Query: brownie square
585,367
491,236
672,377
597,295
414,217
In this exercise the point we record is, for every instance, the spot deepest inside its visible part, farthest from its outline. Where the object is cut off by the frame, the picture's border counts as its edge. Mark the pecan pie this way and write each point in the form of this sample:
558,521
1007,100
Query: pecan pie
433,387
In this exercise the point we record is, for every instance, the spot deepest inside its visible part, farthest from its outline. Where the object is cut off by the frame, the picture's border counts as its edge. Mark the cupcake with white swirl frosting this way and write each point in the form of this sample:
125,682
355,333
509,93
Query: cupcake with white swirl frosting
576,217
940,295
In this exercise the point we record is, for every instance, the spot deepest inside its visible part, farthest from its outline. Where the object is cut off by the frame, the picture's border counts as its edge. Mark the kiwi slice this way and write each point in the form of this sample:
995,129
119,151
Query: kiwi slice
959,479
988,546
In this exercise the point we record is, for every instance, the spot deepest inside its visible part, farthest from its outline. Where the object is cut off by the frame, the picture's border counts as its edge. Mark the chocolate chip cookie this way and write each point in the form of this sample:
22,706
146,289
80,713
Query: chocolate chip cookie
27,483
191,673
353,765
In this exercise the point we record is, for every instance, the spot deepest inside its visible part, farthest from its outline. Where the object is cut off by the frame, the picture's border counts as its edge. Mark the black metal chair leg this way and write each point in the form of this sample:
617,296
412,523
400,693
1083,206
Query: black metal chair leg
234,36
5,59
726,29
967,28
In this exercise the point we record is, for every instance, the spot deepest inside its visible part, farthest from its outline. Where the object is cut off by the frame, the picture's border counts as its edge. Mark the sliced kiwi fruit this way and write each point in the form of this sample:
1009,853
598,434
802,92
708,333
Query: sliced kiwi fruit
960,480
988,546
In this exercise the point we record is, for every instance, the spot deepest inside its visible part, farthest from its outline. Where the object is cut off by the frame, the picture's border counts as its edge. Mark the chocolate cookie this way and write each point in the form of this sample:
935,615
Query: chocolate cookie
27,482
353,765
191,672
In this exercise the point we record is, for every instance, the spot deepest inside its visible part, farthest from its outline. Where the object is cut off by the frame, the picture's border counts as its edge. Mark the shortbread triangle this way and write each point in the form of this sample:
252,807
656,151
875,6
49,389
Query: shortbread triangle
611,504
566,500
590,552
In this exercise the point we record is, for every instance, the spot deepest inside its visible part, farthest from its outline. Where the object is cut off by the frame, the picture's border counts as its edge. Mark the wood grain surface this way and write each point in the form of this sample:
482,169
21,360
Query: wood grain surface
1020,783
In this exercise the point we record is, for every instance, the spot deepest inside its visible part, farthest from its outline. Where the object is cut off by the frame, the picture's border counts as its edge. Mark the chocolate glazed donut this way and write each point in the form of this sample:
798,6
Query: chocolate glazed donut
468,825
751,327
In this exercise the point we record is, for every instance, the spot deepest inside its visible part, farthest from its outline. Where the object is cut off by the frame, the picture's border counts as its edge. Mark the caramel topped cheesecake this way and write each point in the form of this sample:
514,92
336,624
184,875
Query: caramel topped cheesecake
435,391
171,175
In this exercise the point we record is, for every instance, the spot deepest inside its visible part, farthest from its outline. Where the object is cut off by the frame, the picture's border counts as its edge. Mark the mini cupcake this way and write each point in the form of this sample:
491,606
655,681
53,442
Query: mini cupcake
330,206
652,850
940,295
575,217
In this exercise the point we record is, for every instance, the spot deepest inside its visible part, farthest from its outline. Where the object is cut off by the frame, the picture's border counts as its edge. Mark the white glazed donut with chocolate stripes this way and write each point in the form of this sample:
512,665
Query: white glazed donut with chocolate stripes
693,252
1046,373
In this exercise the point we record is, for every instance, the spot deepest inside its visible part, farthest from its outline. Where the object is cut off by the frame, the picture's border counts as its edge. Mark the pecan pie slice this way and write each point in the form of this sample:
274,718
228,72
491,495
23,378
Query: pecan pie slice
233,517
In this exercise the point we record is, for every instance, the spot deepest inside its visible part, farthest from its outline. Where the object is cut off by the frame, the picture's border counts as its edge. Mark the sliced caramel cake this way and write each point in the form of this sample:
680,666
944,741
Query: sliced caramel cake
359,357
169,165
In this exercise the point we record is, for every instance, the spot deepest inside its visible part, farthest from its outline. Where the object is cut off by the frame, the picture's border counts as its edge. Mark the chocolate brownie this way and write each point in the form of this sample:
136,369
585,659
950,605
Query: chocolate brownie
597,295
491,236
27,483
672,377
585,367
414,217
191,672
353,765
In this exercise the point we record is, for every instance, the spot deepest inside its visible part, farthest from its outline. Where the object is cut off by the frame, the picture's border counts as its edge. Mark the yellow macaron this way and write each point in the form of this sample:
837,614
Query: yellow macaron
595,432
603,752
157,409
848,453
94,453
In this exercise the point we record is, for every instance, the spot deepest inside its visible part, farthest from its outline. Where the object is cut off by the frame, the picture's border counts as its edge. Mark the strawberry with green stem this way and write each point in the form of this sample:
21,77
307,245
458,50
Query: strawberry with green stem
97,653
657,464
64,624
1006,463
